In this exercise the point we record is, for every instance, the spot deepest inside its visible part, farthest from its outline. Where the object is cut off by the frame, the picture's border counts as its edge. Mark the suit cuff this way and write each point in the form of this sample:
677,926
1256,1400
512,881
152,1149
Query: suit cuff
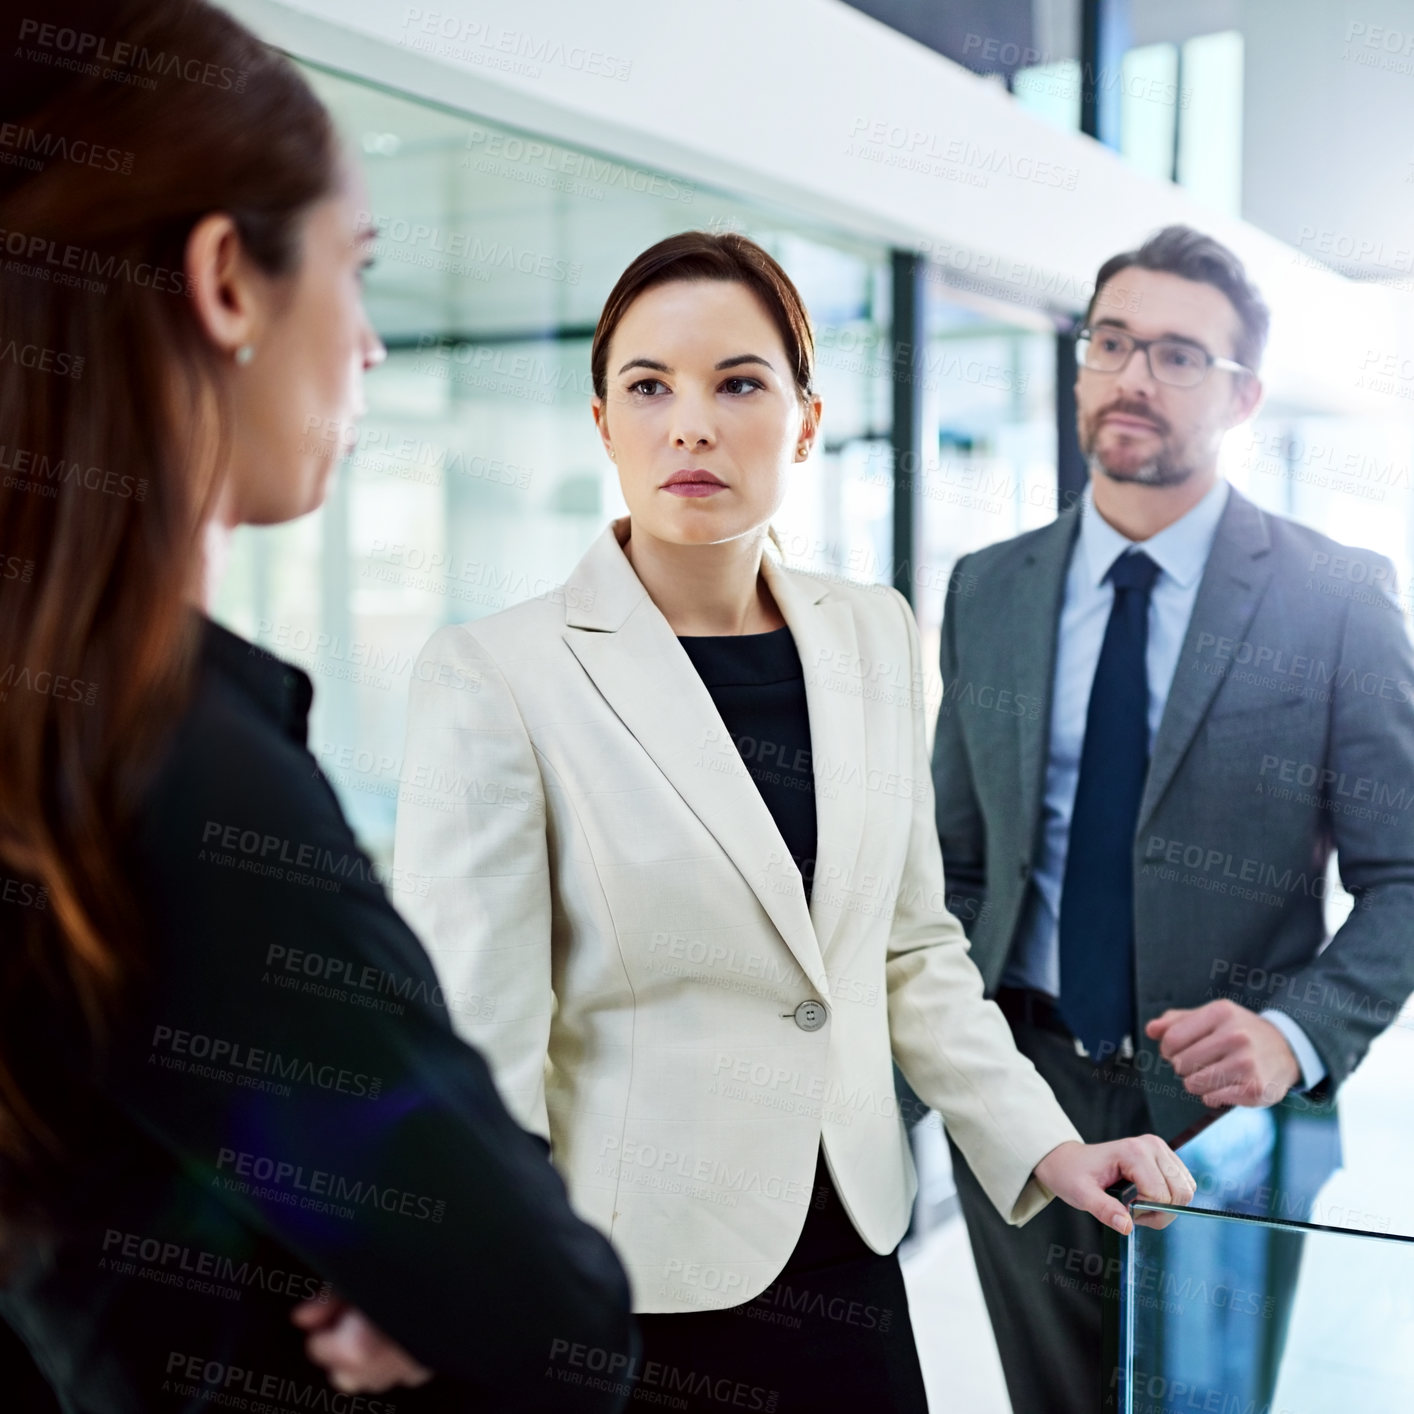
1031,1194
1313,1070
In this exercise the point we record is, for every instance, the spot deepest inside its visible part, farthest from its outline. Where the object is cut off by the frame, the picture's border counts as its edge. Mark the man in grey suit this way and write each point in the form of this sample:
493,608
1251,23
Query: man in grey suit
1161,714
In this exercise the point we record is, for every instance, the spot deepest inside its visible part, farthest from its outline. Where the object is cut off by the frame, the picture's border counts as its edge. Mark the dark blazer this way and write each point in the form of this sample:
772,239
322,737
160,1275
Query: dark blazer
286,1109
1288,731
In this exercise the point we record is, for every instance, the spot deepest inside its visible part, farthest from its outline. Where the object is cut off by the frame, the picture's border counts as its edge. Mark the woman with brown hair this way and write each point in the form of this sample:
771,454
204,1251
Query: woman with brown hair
701,877
211,1173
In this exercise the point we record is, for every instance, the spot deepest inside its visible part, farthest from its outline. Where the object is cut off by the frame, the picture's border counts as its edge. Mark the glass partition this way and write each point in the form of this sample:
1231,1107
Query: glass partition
1287,1287
1251,1316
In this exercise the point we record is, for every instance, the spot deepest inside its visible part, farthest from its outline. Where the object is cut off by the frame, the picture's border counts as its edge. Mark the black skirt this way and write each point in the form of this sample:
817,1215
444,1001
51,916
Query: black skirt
832,1332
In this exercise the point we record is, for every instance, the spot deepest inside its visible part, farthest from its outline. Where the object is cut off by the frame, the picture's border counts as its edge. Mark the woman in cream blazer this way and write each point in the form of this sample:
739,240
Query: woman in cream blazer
610,905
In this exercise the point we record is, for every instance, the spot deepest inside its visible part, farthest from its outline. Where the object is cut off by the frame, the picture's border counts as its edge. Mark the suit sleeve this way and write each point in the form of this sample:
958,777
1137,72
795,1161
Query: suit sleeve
953,1046
295,1053
472,824
1353,990
960,828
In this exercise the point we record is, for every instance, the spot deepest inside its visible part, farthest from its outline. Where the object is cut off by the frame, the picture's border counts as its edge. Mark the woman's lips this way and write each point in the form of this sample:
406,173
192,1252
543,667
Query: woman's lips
693,484
694,488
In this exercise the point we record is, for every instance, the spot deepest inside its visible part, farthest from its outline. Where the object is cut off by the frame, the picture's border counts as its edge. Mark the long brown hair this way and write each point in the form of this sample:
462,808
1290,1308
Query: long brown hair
112,429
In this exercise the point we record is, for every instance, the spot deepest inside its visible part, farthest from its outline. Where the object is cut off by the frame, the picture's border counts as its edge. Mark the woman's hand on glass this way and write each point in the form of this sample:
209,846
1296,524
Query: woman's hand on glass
1079,1174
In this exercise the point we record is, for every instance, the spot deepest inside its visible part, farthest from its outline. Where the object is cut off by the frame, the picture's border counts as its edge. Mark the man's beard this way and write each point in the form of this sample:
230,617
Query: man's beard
1160,470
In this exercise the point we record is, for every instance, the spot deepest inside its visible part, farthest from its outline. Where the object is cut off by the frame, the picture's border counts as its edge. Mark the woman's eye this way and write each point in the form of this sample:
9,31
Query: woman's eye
645,386
737,386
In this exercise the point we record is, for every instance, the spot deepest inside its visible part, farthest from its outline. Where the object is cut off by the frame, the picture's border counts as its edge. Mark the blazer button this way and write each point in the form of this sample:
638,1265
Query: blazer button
1023,869
811,1015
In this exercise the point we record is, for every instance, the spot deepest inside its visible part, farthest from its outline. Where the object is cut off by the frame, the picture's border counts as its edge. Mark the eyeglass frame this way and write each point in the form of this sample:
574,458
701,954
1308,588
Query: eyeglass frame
1227,365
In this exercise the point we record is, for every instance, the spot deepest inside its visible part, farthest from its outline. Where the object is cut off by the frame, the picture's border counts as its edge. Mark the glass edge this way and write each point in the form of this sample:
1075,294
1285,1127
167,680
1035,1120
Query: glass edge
1291,1223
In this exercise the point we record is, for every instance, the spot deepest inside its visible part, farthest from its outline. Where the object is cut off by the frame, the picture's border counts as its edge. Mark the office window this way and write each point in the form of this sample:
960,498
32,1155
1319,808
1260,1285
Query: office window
989,456
1210,120
1348,477
1150,103
1179,110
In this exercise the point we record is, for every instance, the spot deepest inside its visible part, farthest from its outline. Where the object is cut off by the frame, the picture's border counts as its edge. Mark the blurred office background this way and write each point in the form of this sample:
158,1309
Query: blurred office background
941,181
944,358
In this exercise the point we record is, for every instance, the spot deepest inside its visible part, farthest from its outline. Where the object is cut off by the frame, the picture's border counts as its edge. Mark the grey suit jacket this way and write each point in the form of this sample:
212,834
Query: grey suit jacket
1288,731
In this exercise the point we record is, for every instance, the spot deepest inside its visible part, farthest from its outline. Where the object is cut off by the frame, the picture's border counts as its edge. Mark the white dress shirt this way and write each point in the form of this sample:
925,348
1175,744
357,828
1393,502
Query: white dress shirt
1181,552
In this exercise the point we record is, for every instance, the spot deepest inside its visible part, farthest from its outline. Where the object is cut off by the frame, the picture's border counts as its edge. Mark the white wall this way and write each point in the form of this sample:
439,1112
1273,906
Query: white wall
1328,126
1330,96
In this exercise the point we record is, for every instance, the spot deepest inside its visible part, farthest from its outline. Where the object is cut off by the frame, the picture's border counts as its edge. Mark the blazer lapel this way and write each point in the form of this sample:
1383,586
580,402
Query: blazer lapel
1228,594
633,657
1032,628
823,628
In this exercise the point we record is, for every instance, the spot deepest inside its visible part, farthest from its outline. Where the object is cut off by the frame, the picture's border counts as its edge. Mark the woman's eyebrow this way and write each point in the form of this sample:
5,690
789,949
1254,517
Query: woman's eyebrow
735,361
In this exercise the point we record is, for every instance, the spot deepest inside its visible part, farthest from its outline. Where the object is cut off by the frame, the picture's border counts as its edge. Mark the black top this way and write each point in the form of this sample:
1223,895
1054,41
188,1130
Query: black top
758,686
289,1106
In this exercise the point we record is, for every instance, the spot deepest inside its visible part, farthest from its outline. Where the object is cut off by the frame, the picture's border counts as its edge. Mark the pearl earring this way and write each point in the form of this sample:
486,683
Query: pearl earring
244,354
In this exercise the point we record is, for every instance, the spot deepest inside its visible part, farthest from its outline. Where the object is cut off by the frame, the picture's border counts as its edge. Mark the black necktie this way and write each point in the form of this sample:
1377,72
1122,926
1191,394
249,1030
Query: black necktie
1097,891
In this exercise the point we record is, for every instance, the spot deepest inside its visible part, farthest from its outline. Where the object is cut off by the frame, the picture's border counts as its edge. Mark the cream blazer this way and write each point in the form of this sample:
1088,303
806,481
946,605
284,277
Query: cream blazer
619,928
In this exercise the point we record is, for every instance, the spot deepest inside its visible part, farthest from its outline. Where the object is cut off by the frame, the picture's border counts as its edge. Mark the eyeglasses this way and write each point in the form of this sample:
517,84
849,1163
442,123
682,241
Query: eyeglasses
1173,361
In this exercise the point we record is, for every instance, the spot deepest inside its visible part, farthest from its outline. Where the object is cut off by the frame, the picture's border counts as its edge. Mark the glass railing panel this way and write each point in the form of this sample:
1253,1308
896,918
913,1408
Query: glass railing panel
1245,1315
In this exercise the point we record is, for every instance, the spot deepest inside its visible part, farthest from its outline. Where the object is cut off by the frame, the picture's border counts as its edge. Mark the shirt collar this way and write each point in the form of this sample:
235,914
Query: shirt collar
1180,550
279,689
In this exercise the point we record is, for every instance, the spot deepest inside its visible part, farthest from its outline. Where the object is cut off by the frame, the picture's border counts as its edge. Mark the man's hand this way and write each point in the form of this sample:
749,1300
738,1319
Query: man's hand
357,1357
1226,1054
1079,1174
